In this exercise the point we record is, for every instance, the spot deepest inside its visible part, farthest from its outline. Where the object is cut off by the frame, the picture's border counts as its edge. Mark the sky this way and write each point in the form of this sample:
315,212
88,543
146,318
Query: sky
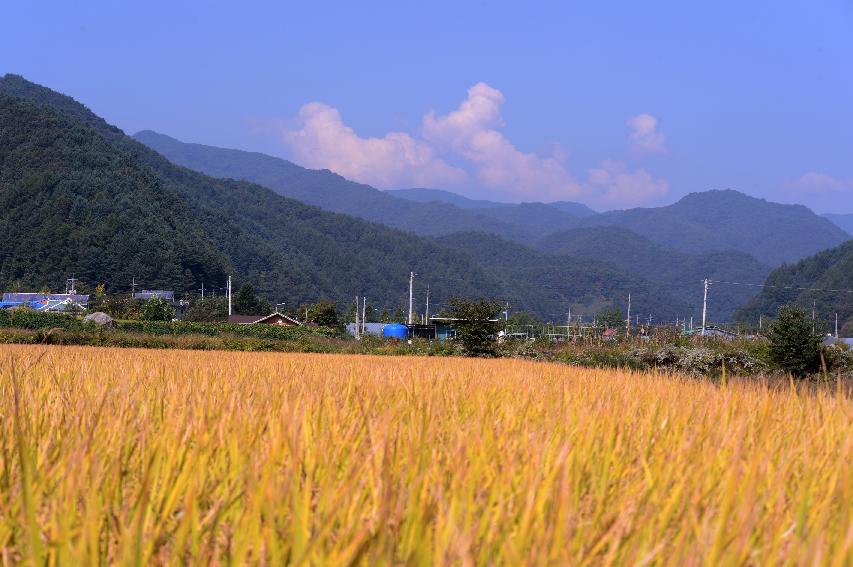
613,104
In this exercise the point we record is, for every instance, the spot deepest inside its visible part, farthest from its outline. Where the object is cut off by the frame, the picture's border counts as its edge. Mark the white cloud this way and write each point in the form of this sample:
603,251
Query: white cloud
613,184
395,160
471,132
644,136
820,183
469,135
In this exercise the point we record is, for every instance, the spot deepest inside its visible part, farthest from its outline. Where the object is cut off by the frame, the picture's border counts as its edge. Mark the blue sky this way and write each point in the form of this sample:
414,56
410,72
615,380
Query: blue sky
615,104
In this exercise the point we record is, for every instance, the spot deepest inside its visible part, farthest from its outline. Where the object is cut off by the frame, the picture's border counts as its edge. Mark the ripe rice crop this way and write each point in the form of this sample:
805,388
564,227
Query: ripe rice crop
153,457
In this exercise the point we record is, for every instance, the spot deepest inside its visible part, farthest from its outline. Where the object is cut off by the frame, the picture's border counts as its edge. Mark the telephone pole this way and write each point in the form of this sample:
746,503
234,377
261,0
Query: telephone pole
628,325
411,298
229,295
813,321
836,325
426,315
363,315
357,323
704,306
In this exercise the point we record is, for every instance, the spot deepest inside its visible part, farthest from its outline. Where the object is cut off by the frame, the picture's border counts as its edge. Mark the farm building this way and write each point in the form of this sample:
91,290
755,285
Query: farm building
271,319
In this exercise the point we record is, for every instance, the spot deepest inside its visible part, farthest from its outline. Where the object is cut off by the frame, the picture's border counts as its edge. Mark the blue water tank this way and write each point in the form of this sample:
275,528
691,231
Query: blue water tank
395,331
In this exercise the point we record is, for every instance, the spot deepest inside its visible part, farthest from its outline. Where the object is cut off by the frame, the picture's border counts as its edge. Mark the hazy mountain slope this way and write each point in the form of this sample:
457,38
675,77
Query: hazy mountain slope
729,220
421,195
537,219
828,270
842,221
546,283
577,209
679,273
324,189
442,196
291,251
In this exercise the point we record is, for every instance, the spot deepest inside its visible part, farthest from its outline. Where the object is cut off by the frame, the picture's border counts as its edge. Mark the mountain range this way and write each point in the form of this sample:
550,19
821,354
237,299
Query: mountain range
720,220
81,197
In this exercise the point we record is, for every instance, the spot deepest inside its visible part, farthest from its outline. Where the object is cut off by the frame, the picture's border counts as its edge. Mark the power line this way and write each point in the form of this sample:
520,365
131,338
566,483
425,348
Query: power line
784,287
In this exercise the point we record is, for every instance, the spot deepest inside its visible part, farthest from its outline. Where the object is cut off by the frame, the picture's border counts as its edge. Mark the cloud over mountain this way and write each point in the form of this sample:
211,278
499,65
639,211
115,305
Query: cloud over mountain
471,137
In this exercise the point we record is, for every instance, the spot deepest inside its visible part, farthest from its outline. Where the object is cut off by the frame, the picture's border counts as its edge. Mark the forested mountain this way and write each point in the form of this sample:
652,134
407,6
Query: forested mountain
842,221
729,220
679,273
830,271
549,283
81,197
324,189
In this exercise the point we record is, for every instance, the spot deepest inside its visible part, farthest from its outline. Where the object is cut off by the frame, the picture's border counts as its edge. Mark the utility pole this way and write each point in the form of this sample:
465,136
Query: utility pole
628,326
704,306
357,327
760,323
411,288
202,289
229,296
133,288
813,321
363,315
836,326
426,315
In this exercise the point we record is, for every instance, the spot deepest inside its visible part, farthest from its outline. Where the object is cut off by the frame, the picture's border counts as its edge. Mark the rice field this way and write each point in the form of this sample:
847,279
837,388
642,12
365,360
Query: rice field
171,457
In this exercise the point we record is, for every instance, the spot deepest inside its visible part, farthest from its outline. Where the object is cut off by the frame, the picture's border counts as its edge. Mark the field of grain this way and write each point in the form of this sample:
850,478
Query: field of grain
141,457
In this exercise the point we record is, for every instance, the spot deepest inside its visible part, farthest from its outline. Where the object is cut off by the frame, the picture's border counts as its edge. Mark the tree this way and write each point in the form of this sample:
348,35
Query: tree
325,313
208,310
476,325
247,302
156,309
611,318
793,346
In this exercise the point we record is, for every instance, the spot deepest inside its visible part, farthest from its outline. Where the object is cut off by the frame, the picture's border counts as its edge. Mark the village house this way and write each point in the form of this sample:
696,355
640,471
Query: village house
271,319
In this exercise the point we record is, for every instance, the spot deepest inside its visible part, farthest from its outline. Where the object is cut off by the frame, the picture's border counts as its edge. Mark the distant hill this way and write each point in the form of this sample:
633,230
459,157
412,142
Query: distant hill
828,270
729,220
441,196
324,189
81,197
550,283
700,222
842,221
679,273
419,195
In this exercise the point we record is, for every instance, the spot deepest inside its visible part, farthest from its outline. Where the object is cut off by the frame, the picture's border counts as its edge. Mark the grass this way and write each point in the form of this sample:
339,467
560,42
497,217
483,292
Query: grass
171,457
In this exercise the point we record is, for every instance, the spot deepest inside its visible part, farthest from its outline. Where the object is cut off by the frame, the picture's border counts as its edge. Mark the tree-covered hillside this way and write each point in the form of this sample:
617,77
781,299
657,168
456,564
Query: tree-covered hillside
72,204
729,220
830,271
679,273
83,198
547,283
324,189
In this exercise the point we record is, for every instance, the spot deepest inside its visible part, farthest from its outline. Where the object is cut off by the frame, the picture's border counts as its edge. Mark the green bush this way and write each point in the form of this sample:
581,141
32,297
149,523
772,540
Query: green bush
793,345
29,319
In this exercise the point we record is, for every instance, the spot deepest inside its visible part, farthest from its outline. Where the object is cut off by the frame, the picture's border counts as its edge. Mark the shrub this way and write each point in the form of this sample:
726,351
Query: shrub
793,346
157,309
